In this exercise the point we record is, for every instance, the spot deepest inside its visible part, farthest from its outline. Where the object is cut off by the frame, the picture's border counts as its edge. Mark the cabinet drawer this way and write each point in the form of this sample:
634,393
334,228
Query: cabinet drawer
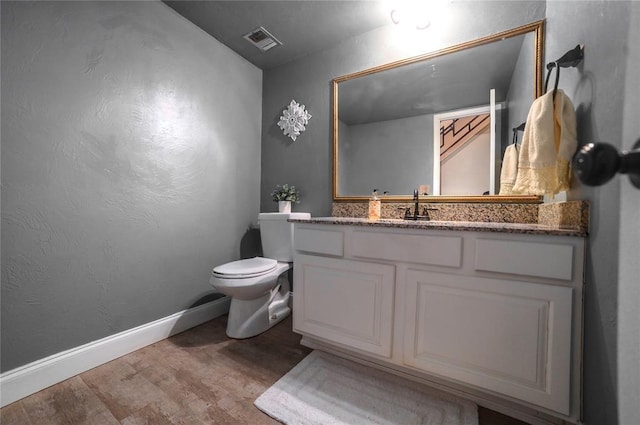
329,242
423,249
537,259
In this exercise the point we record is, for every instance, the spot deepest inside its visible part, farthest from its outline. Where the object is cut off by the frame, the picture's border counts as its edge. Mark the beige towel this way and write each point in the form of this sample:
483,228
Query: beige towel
548,143
509,169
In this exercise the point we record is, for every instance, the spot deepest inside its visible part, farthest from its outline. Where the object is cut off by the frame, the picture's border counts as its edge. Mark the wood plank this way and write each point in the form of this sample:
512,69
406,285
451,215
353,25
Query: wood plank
14,414
69,402
126,392
197,377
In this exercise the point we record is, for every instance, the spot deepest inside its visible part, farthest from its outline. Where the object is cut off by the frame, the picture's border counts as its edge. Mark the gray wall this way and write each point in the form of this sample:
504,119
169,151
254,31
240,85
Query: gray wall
521,92
130,167
307,162
395,156
343,130
628,287
598,90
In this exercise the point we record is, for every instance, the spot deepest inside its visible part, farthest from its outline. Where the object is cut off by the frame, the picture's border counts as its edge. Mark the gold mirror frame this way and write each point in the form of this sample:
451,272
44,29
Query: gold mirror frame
537,28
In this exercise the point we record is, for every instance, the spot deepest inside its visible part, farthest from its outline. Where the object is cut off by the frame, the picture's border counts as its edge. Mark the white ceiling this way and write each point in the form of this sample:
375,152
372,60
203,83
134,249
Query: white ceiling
303,26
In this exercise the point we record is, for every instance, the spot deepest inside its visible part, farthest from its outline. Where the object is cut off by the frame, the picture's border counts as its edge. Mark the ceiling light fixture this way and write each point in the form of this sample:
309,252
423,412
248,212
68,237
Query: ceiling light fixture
415,14
407,16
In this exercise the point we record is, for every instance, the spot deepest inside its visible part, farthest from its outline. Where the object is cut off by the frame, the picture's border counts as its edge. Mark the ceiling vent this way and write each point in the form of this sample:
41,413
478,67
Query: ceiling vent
261,38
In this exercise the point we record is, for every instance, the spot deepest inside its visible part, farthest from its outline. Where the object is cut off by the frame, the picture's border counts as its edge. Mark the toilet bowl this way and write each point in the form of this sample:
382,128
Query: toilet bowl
259,287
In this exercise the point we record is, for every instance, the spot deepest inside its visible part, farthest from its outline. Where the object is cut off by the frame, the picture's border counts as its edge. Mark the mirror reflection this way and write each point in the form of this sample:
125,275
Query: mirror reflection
466,98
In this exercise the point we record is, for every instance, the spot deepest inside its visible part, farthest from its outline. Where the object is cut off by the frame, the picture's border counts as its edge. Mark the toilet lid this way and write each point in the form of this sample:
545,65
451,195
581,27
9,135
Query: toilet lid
249,267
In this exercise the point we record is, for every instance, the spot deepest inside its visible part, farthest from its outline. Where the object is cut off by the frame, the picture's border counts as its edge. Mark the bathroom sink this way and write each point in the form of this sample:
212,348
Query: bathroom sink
403,221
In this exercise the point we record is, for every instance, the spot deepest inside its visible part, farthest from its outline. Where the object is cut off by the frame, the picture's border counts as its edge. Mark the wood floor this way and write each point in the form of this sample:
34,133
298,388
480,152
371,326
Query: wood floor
197,377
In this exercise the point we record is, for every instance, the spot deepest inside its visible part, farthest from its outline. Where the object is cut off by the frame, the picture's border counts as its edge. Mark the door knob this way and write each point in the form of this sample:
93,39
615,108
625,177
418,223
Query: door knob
596,163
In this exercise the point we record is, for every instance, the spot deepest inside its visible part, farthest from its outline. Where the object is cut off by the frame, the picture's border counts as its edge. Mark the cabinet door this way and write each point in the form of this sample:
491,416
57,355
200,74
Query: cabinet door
507,336
348,302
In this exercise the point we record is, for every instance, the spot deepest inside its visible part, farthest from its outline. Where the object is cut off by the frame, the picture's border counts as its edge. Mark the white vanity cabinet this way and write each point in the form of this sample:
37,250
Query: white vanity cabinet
493,316
344,301
508,336
360,316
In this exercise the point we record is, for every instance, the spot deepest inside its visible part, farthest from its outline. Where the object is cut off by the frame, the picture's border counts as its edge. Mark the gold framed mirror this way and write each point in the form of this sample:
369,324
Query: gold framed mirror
385,119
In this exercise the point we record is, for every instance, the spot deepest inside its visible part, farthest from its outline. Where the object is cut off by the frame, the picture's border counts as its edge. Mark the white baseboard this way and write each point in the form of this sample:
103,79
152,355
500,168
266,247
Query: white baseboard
33,377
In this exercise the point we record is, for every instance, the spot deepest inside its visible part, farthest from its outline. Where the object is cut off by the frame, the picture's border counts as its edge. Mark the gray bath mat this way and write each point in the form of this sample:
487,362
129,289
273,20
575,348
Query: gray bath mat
327,390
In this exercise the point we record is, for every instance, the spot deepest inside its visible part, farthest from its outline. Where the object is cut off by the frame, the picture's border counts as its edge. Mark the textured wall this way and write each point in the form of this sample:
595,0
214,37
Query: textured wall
521,91
629,289
130,167
603,95
598,89
307,162
374,163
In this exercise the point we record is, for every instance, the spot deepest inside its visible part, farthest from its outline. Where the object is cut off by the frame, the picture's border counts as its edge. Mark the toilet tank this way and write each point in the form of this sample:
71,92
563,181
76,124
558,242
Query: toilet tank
276,234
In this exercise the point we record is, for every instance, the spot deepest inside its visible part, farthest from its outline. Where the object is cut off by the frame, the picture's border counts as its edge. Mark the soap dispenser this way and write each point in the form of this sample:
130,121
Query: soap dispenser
374,206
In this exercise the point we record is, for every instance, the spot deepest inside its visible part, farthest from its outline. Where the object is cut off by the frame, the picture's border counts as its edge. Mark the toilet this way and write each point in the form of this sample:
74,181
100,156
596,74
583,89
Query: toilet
259,287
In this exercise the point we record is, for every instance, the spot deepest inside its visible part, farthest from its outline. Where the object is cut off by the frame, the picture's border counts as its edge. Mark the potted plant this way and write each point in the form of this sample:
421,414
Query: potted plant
284,195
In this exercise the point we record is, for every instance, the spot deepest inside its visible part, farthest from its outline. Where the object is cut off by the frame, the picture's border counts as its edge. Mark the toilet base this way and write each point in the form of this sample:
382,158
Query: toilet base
248,318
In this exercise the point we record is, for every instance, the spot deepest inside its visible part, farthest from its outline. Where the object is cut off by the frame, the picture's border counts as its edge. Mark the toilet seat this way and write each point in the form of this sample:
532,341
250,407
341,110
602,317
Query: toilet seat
244,269
249,287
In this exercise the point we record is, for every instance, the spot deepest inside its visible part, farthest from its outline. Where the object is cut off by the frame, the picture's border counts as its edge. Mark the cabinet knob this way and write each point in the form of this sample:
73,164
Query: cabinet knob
596,163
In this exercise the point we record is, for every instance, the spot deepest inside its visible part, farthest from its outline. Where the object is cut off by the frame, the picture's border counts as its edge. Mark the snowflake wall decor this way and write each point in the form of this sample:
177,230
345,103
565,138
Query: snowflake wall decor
293,120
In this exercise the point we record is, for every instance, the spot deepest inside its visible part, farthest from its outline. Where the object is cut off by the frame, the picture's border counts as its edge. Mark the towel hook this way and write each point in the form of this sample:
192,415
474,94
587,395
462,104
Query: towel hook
570,59
520,127
550,66
515,132
597,163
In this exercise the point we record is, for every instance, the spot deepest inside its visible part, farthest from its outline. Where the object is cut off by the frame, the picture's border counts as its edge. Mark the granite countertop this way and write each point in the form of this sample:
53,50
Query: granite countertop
537,229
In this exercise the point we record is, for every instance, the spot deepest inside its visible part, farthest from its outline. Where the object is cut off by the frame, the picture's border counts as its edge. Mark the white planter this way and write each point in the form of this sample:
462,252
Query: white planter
284,206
